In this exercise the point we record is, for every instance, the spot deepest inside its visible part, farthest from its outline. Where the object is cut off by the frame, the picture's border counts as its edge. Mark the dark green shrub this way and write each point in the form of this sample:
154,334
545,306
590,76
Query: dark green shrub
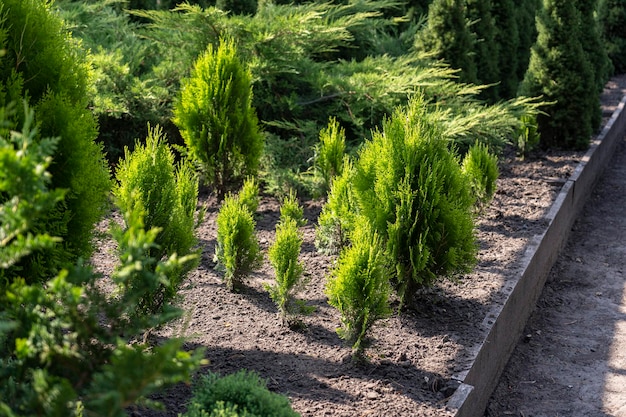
237,252
612,15
358,287
525,15
24,186
560,72
78,166
283,256
237,6
66,347
486,50
410,189
507,41
594,47
150,181
48,68
129,95
596,54
291,209
481,168
447,35
330,151
242,394
216,119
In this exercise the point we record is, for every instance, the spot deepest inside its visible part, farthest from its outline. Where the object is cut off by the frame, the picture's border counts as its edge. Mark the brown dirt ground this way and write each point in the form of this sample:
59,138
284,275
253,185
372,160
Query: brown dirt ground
413,354
571,359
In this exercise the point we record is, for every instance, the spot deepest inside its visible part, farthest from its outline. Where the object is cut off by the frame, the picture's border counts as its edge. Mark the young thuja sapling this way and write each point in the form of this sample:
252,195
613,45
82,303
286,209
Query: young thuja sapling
237,252
359,288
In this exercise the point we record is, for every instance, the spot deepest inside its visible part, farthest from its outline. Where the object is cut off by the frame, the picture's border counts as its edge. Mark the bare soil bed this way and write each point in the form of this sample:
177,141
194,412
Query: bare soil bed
413,353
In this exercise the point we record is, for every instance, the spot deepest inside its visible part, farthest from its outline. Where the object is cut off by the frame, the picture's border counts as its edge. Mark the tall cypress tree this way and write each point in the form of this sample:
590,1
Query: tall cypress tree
507,40
527,32
486,49
559,71
448,36
612,14
596,53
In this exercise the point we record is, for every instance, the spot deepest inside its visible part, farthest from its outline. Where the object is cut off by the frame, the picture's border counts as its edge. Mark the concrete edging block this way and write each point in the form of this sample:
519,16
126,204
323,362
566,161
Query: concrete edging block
504,324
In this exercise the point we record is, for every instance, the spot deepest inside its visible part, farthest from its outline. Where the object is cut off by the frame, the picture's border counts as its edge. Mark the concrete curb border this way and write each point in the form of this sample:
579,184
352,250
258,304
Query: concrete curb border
505,323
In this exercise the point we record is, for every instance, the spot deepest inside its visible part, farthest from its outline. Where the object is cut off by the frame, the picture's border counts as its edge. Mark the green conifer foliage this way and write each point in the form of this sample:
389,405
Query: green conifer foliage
149,180
596,53
481,168
359,288
525,15
507,41
242,394
291,209
67,348
410,188
283,256
336,221
237,252
330,151
560,72
486,50
24,183
47,67
216,119
612,16
447,35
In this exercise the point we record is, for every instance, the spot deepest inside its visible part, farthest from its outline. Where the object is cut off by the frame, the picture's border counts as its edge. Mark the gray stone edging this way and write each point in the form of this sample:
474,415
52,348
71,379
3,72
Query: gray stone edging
506,322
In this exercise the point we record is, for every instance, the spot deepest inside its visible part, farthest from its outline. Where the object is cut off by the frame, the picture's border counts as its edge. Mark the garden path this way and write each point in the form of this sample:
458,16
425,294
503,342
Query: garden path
571,359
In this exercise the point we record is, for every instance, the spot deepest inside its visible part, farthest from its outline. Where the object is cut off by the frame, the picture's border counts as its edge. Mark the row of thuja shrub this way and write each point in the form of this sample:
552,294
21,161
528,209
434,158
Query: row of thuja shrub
400,214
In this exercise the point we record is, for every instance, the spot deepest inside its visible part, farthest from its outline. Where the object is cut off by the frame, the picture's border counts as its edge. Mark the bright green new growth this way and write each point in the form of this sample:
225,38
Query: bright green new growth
336,221
359,288
481,168
237,252
242,394
409,187
330,151
527,136
149,180
249,194
291,209
283,256
216,118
